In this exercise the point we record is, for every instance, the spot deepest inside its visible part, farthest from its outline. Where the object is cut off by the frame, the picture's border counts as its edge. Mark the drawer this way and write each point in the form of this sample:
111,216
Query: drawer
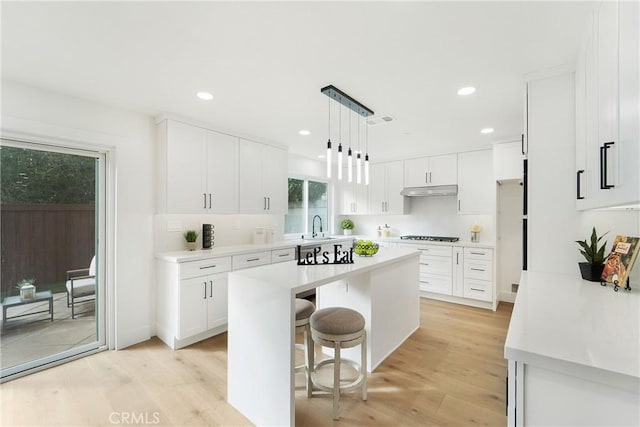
437,284
434,250
436,265
204,267
282,255
253,259
477,269
478,289
478,253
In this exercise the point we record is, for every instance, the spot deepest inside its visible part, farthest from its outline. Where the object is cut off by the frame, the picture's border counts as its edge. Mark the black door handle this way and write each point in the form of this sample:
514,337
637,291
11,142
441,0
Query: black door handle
579,196
522,144
603,166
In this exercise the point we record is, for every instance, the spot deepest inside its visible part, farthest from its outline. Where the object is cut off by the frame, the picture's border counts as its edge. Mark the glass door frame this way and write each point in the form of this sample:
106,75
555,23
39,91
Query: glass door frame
104,214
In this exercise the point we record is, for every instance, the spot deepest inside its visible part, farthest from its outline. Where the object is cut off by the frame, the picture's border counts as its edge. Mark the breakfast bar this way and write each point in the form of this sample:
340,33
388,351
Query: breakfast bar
261,334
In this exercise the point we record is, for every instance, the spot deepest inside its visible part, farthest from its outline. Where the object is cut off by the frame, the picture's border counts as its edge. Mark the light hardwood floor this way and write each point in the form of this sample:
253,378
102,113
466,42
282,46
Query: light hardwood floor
450,372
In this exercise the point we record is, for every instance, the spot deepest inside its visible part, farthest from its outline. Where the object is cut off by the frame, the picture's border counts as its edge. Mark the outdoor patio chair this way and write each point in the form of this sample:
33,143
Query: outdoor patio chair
81,286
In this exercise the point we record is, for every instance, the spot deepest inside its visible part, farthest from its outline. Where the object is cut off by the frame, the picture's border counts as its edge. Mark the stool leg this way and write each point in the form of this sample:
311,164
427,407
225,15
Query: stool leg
309,358
363,366
336,381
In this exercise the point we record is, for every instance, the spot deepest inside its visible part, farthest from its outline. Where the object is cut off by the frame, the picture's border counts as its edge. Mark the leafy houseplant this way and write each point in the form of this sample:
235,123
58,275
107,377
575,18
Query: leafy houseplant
592,269
27,288
347,226
191,236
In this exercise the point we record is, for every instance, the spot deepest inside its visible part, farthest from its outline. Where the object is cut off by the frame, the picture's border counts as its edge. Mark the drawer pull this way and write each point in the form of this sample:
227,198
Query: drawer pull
208,266
281,255
479,290
253,259
477,253
477,269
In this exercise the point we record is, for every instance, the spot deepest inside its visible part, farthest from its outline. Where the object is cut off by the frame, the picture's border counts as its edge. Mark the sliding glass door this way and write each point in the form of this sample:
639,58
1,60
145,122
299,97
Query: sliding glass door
52,202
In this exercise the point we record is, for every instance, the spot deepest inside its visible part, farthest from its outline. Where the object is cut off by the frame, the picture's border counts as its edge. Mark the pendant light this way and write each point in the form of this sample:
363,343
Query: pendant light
358,159
350,156
339,146
366,155
337,95
329,144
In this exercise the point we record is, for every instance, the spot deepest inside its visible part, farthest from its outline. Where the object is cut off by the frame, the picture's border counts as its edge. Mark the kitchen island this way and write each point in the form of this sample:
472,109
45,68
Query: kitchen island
261,330
574,353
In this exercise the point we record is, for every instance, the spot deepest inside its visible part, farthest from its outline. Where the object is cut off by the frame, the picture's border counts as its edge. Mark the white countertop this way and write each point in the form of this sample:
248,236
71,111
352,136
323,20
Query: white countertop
570,325
217,251
300,278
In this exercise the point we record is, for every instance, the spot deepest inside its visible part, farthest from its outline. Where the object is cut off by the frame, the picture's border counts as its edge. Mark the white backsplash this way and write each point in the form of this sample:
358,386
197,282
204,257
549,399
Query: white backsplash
228,229
436,216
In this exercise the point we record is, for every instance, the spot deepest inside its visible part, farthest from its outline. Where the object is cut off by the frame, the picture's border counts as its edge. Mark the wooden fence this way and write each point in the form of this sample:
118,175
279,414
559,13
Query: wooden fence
44,241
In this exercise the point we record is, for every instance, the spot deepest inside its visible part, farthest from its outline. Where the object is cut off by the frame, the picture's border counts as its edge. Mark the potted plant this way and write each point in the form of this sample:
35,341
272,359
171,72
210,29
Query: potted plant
347,227
191,236
27,289
592,269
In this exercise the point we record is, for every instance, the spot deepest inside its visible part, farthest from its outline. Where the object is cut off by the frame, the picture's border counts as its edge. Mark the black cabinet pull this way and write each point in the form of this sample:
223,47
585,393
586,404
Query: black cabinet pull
476,269
579,196
522,144
204,195
208,266
253,259
209,200
603,166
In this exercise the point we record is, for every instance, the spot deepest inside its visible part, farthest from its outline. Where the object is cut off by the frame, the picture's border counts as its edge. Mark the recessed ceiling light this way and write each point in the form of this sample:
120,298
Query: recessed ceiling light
487,130
304,132
205,96
466,90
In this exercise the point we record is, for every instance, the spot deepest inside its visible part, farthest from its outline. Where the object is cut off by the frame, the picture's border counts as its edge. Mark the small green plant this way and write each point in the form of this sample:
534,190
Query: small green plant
191,236
25,282
346,224
590,251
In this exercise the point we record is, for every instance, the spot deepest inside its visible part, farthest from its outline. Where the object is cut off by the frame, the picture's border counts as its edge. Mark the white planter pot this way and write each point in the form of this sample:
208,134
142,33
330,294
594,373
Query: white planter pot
27,292
347,232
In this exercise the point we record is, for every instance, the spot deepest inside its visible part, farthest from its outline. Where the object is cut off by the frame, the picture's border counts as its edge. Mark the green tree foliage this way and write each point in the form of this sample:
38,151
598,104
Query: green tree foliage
317,191
43,177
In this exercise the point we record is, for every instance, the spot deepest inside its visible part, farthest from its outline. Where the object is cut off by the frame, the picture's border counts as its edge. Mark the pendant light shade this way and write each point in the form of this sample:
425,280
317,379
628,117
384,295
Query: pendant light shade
350,166
329,159
366,169
340,161
358,169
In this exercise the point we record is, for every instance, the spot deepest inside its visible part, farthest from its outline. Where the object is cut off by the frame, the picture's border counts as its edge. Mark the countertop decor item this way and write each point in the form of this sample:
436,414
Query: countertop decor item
386,231
27,289
347,226
620,262
592,269
475,233
365,248
191,236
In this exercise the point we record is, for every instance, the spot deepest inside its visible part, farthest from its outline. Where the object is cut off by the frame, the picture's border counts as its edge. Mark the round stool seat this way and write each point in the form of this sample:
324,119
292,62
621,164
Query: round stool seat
337,321
304,308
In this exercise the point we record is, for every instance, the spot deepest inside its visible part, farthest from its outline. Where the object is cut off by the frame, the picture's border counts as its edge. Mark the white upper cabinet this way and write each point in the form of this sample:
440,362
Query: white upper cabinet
354,197
197,170
607,108
430,171
476,185
385,183
507,160
263,178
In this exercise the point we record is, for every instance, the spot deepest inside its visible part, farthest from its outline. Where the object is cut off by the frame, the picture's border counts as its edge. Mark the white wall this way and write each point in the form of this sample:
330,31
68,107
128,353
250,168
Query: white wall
436,216
133,136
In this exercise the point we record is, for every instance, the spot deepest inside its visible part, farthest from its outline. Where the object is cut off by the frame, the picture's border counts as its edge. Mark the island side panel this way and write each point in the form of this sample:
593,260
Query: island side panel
260,382
395,299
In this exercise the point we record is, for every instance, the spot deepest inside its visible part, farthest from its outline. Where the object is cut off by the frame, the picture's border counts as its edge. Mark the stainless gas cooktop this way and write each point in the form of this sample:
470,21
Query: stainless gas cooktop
431,238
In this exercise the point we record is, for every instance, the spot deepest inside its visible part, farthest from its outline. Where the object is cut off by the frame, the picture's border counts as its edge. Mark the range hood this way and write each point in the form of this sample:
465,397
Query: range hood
436,190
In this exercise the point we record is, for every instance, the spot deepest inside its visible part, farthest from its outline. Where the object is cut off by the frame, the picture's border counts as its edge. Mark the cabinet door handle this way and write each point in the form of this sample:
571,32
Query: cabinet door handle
205,290
603,166
459,205
457,258
253,259
382,206
476,289
207,266
477,269
578,195
209,200
476,253
522,144
210,289
264,203
268,203
430,178
204,195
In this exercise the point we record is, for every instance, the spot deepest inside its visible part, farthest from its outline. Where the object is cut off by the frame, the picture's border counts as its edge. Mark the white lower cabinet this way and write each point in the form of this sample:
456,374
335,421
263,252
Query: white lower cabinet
203,304
435,268
478,273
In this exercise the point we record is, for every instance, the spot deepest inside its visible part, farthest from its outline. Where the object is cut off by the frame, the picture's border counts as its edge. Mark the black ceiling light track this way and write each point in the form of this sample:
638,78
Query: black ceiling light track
349,102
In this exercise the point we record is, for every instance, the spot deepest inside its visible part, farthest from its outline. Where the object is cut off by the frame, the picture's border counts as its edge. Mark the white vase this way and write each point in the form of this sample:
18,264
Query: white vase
27,292
347,232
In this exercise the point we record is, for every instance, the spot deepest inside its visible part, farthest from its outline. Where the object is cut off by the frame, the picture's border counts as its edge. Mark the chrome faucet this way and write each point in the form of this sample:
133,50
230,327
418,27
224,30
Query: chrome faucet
313,226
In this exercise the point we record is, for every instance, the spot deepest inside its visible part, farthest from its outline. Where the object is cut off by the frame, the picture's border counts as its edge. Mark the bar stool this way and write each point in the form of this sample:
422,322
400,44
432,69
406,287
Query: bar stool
340,327
304,310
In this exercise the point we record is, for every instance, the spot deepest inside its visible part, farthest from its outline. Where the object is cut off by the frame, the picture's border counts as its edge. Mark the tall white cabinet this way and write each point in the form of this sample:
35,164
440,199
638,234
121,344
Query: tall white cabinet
197,169
385,184
608,108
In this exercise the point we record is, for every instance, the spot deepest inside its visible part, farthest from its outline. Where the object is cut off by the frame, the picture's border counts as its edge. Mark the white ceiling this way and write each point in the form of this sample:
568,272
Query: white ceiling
266,62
